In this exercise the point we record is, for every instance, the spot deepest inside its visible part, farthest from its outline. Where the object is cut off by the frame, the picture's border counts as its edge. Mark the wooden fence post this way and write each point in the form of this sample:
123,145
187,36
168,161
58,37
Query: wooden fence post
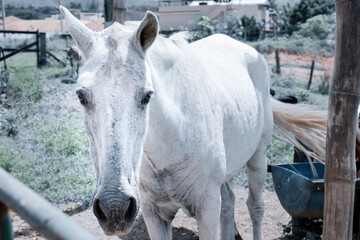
119,11
342,117
42,49
108,12
311,73
37,48
277,58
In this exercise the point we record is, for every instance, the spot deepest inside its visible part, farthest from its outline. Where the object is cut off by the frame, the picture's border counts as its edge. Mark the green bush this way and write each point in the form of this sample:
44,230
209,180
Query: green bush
318,27
205,27
234,27
302,95
305,9
323,87
289,85
49,152
282,81
251,28
26,14
26,86
237,27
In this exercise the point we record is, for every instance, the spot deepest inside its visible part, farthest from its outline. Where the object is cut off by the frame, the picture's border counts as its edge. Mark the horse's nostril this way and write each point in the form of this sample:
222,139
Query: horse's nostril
98,211
131,211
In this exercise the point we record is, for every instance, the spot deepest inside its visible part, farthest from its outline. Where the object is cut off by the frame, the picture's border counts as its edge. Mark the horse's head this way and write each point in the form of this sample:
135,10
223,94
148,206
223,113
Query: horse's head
114,88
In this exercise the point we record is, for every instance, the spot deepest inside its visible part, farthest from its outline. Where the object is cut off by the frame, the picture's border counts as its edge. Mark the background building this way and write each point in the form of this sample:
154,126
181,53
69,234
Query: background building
180,16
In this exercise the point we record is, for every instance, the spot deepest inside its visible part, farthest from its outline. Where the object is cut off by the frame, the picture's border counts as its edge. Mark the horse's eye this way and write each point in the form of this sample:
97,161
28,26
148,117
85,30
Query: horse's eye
82,98
146,99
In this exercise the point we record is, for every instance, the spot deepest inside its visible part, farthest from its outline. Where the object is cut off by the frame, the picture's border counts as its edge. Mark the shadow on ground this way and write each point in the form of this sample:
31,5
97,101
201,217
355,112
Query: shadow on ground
139,232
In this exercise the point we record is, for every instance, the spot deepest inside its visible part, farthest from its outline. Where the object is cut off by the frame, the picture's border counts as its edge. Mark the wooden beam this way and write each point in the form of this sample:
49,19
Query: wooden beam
23,49
3,14
119,11
56,58
108,12
340,170
42,55
38,48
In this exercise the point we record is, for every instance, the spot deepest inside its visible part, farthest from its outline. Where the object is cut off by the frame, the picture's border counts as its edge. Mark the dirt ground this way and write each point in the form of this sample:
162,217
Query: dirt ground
183,227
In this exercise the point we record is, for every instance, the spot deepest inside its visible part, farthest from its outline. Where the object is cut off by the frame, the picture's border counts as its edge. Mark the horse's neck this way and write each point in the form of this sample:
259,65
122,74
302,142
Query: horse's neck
166,116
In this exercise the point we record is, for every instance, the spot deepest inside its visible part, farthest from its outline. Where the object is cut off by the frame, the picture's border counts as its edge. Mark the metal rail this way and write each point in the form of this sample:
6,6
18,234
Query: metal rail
49,221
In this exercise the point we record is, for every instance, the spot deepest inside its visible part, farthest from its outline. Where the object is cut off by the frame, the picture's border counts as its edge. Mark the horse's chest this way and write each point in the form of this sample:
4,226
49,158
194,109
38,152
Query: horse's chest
177,188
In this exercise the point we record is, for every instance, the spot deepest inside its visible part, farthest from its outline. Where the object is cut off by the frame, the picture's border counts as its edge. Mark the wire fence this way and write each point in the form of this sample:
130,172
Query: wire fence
298,65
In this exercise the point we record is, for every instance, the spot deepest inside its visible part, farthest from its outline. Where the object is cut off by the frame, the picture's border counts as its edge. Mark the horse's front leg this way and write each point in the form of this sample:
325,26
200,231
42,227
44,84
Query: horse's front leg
158,223
208,214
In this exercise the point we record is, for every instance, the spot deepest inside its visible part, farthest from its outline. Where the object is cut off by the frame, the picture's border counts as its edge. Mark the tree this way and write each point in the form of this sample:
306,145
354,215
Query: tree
26,14
305,9
251,28
75,5
273,5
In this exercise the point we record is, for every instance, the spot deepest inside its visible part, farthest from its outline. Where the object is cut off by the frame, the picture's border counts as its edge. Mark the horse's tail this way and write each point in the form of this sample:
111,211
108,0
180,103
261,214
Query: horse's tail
302,125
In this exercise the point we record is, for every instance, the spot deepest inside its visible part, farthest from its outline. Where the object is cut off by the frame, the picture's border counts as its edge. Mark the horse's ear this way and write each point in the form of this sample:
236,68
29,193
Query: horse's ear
146,33
83,36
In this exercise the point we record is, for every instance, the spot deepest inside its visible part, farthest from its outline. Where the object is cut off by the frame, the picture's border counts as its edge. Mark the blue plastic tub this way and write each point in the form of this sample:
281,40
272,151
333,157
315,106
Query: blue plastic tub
300,192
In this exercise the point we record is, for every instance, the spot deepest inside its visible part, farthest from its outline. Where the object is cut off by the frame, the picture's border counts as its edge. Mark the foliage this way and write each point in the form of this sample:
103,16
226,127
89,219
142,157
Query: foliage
25,87
49,149
234,27
56,72
26,14
318,27
273,5
92,6
251,28
305,9
323,87
75,5
288,85
316,34
41,12
205,27
237,27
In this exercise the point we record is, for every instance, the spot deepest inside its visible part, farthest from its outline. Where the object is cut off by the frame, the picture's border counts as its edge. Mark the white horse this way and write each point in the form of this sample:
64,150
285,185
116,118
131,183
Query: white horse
210,114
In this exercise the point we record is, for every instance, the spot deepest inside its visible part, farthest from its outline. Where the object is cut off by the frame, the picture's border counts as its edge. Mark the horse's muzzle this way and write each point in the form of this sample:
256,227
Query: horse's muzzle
115,211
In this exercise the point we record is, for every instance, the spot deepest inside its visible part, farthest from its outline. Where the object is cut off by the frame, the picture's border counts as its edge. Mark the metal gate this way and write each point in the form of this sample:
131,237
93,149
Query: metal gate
42,216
